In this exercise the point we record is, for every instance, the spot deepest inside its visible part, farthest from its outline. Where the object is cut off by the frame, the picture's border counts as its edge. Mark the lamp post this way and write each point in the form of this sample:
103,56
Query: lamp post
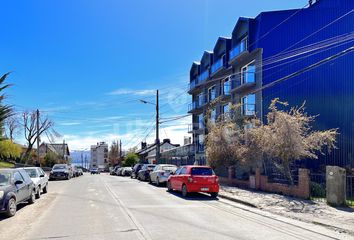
157,140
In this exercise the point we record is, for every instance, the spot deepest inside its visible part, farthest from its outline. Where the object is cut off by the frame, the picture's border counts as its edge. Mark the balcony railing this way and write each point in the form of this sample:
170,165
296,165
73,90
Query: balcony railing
200,147
211,95
217,65
238,49
204,76
193,84
226,88
246,81
248,109
196,104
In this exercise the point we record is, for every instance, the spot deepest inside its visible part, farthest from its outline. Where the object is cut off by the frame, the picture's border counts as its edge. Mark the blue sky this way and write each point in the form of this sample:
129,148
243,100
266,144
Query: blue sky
85,63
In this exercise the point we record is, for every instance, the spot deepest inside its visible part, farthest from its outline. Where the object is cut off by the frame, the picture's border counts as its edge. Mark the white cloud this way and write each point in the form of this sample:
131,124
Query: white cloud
124,91
69,123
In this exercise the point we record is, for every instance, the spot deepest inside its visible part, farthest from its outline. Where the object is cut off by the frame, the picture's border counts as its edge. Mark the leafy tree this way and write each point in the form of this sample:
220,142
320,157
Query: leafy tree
9,150
130,160
5,110
288,136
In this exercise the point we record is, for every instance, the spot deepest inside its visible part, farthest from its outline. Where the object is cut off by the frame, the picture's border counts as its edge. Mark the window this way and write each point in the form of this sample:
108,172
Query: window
183,171
226,108
249,105
213,115
201,121
178,171
200,99
226,86
18,177
243,44
212,93
248,73
202,171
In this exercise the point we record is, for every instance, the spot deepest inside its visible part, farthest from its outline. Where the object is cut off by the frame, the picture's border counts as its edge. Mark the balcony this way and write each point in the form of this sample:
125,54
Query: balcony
249,109
247,81
204,76
219,64
196,127
193,84
238,50
200,147
195,105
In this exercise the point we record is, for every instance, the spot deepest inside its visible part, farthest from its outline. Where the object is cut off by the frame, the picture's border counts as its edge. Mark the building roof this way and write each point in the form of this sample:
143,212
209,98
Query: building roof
58,148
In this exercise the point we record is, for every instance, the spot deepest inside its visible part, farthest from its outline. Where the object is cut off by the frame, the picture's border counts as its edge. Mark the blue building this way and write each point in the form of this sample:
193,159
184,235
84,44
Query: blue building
271,46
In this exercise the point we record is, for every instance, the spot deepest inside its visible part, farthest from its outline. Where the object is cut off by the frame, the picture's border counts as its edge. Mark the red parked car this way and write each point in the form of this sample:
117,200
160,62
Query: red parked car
189,179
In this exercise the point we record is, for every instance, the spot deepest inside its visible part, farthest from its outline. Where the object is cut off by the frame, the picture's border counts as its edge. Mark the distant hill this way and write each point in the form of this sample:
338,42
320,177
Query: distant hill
76,157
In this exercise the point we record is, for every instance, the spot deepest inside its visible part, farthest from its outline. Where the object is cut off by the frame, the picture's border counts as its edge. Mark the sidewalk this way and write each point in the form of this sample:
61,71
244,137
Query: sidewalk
339,219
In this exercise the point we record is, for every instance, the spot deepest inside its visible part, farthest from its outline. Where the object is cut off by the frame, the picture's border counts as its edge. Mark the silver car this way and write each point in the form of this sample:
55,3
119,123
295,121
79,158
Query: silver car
39,178
161,173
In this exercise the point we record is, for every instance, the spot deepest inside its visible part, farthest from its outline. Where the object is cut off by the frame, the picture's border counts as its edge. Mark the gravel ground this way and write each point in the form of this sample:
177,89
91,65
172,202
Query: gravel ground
339,219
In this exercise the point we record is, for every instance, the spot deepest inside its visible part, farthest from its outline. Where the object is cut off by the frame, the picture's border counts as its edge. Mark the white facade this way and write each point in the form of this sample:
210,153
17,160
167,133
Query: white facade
99,156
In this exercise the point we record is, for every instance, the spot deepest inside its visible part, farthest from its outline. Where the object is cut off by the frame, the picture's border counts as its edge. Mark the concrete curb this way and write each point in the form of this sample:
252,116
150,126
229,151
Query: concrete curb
237,200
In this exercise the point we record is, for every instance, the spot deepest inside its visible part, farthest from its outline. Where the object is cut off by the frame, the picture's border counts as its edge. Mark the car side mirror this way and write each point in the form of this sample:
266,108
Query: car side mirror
42,176
18,182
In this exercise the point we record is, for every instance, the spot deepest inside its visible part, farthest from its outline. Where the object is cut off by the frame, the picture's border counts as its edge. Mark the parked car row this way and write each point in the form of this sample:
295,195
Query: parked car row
121,171
21,185
185,179
65,172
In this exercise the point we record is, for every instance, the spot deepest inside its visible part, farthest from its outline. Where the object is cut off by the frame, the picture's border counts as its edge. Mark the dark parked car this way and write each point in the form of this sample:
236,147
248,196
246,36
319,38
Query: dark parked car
136,169
15,187
144,173
60,171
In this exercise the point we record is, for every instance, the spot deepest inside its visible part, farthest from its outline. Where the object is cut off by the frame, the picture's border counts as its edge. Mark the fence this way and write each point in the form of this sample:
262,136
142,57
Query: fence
350,190
318,187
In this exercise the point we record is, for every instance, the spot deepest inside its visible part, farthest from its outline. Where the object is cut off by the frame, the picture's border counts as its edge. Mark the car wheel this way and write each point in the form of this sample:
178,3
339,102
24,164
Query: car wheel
184,191
45,189
157,182
11,208
32,198
38,193
169,187
214,194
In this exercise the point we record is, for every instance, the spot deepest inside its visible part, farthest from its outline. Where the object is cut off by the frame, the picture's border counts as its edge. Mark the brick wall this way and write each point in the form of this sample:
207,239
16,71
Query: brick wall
301,190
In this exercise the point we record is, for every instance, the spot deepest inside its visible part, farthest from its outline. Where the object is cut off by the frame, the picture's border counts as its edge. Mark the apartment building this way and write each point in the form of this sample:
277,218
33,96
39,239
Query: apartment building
255,65
99,156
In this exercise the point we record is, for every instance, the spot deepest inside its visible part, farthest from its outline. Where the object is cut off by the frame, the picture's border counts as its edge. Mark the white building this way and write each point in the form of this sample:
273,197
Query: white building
99,156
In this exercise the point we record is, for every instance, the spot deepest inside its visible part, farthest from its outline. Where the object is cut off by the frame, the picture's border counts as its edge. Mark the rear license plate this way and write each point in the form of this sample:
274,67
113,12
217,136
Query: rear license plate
204,189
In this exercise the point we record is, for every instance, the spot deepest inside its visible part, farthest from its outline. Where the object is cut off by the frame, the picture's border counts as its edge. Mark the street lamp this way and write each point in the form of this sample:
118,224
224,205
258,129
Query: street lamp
157,140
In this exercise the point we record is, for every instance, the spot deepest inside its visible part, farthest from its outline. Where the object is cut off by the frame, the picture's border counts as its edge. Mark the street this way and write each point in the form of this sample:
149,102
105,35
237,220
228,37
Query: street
110,207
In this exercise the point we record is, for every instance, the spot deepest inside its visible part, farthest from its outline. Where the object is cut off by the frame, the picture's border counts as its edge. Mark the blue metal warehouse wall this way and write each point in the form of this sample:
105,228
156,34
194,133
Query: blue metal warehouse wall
328,90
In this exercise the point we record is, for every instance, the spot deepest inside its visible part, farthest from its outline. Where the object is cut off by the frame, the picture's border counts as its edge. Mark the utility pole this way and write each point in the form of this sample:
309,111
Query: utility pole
38,159
82,160
120,148
157,128
64,151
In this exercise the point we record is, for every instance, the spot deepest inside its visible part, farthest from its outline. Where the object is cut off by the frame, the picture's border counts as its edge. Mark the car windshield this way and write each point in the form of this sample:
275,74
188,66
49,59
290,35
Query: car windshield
169,168
202,171
56,167
32,173
5,177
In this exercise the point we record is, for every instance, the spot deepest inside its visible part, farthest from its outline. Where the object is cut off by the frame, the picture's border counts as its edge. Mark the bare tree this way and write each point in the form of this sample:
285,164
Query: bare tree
226,141
30,130
12,126
288,136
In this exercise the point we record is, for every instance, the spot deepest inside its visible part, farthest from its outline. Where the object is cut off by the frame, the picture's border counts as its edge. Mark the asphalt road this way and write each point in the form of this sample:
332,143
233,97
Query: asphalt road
109,207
